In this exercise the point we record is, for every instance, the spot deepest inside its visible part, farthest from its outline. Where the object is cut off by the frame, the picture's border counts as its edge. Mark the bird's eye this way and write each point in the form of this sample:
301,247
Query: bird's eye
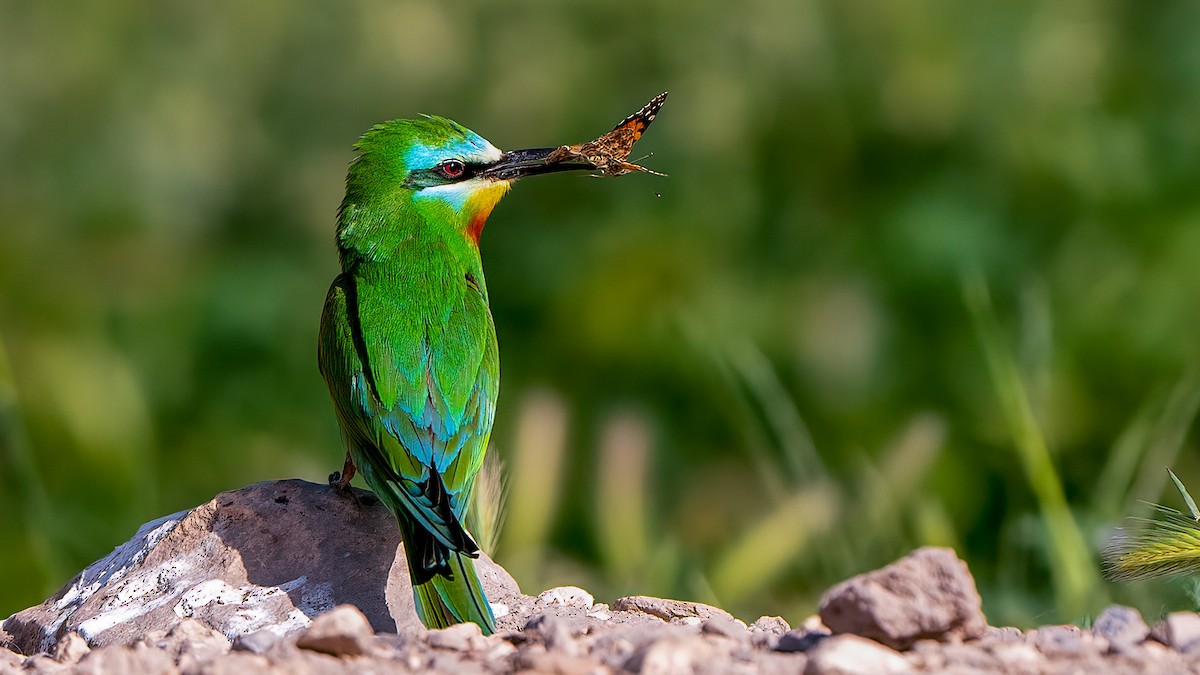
452,168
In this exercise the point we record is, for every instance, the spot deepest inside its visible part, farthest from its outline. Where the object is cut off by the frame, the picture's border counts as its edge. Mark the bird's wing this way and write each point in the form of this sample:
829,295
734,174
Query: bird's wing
415,378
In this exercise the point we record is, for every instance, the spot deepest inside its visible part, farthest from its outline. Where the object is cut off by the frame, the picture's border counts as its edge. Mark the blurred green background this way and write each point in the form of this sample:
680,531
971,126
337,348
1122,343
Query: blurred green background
922,273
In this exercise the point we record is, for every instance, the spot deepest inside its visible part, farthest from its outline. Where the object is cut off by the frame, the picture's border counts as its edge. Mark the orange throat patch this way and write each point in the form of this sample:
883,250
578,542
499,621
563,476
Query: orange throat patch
479,206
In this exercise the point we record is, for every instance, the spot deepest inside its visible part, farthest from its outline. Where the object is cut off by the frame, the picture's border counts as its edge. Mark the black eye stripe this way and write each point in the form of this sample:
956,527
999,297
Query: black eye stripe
423,178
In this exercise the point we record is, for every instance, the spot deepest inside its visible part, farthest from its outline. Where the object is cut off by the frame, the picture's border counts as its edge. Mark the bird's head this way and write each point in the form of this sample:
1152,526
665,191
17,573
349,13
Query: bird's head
427,172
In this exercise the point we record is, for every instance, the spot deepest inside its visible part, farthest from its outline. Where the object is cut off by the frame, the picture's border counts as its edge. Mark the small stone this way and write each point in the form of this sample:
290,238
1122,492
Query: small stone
1179,631
928,594
9,658
1018,657
235,663
775,625
134,659
668,610
1122,626
571,596
799,640
539,661
554,632
70,649
191,642
460,637
257,642
730,628
499,609
1058,641
342,631
1003,634
854,655
43,664
678,654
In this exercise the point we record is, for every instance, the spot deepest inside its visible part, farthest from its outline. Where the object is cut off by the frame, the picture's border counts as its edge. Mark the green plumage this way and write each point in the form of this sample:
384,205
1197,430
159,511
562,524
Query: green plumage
408,348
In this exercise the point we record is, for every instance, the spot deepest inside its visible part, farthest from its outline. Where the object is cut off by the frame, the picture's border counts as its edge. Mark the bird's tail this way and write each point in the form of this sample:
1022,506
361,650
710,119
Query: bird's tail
446,600
446,586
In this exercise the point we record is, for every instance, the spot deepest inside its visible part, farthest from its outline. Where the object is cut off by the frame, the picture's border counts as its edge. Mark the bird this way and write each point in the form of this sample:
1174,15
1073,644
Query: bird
407,345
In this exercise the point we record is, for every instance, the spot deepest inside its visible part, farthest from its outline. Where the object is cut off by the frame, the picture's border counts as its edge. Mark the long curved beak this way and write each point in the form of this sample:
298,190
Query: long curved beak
529,162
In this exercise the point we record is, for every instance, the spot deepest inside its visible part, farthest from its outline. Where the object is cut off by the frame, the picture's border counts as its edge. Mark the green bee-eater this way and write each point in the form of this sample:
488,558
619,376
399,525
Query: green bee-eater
407,345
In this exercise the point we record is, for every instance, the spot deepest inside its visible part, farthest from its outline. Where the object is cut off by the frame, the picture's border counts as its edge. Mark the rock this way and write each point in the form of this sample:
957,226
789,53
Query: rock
572,596
676,654
236,663
539,661
273,556
10,658
1179,631
927,594
725,627
257,642
1003,634
460,638
1122,626
774,625
344,631
799,640
854,655
554,633
1019,657
139,659
44,664
1058,641
70,649
676,611
190,643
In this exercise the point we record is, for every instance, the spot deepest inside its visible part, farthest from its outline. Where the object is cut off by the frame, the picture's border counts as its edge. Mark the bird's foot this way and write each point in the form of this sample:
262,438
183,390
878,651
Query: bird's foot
340,480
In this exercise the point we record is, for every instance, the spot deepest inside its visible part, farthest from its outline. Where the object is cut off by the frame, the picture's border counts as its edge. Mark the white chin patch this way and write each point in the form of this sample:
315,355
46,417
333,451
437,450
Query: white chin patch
456,194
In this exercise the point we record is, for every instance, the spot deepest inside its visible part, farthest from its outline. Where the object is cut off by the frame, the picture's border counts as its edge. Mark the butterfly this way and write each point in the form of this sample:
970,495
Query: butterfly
609,153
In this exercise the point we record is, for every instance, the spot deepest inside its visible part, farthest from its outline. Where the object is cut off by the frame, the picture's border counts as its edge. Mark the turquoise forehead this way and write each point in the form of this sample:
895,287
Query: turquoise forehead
460,142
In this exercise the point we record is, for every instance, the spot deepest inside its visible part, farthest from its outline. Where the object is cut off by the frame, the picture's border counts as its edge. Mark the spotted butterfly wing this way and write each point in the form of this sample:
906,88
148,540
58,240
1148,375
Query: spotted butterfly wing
609,152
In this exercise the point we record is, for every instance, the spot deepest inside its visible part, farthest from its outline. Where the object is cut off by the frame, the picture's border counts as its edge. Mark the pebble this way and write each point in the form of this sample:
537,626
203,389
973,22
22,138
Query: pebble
571,596
1122,626
342,631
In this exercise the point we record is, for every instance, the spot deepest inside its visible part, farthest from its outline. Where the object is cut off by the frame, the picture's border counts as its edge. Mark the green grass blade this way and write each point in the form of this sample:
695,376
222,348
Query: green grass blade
1187,498
1076,580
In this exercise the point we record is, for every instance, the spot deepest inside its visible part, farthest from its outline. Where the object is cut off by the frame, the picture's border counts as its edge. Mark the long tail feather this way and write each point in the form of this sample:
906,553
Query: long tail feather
444,601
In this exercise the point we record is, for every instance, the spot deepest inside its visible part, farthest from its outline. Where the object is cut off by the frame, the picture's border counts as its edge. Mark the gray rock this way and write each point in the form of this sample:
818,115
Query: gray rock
538,660
675,611
554,632
344,631
572,596
1122,626
1179,631
675,654
269,556
1019,657
1058,641
461,637
139,659
928,594
776,625
189,643
236,663
44,664
725,627
854,655
1003,634
799,640
258,642
10,659
70,649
